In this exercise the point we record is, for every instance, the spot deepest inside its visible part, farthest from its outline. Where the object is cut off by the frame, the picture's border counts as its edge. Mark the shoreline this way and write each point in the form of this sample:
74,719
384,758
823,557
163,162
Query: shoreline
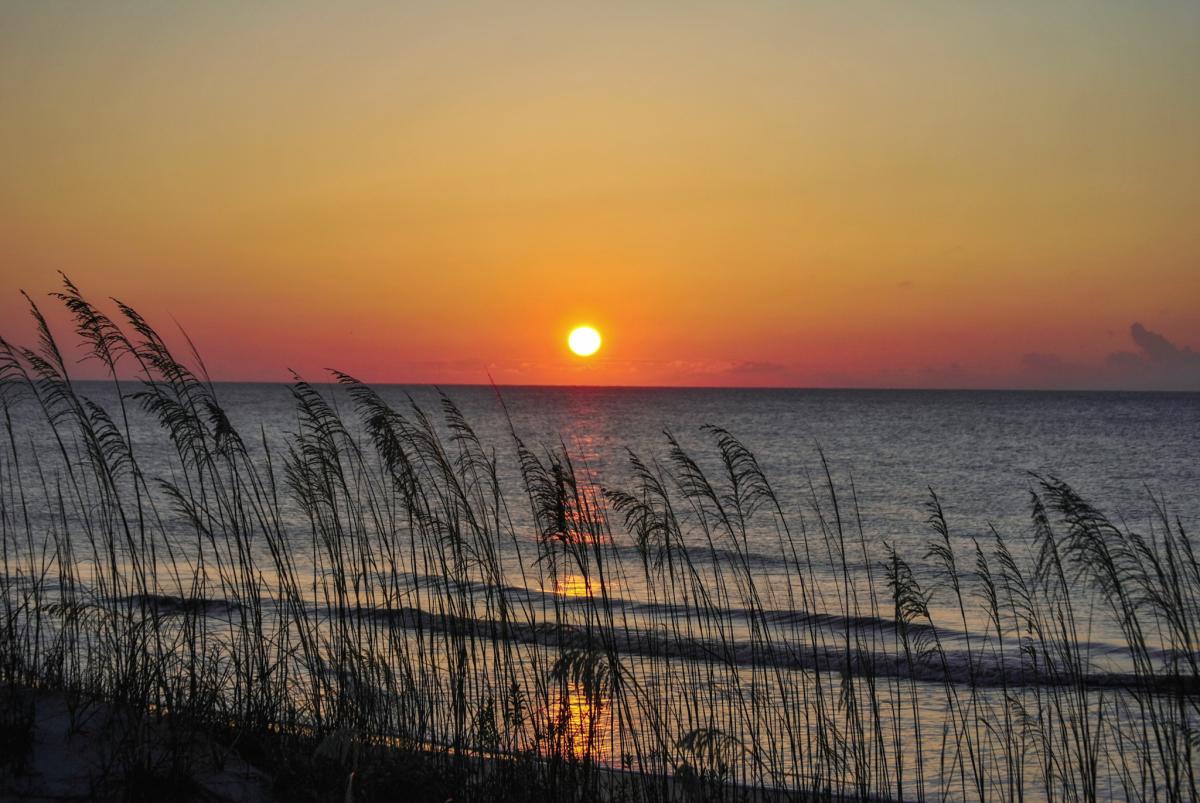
67,745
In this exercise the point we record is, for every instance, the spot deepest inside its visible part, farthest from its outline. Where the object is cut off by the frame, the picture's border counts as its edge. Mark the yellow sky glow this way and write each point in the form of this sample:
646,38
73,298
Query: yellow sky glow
752,193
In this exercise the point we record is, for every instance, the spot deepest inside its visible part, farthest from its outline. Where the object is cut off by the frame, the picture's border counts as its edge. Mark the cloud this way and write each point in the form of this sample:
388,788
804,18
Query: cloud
754,367
1043,363
1158,349
952,375
1041,369
1156,364
946,376
728,372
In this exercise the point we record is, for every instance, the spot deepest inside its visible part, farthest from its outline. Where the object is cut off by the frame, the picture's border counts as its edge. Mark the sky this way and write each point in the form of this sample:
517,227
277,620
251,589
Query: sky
847,194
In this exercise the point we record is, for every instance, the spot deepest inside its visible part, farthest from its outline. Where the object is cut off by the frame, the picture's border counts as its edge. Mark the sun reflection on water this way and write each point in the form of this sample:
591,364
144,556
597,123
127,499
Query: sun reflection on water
573,585
580,723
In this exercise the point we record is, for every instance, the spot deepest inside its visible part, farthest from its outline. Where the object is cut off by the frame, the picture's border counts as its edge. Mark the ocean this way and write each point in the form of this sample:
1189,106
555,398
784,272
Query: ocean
603,561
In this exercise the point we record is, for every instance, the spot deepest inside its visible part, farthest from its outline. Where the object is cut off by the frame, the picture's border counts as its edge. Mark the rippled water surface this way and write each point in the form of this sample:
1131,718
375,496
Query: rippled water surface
768,605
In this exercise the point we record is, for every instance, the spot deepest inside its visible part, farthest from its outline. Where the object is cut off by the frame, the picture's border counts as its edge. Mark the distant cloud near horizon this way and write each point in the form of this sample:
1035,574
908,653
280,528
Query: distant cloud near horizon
1157,364
751,367
705,372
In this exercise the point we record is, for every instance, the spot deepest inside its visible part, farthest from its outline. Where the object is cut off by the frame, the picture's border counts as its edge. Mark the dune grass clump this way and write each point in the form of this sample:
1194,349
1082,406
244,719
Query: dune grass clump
380,598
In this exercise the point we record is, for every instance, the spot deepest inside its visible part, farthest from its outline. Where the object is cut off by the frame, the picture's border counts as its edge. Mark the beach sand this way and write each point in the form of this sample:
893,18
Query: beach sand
60,747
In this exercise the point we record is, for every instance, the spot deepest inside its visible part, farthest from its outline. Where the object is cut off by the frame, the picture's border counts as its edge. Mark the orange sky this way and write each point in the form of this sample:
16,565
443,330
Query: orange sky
862,194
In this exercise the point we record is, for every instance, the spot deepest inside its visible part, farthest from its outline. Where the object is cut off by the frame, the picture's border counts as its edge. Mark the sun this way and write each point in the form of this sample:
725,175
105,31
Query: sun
584,341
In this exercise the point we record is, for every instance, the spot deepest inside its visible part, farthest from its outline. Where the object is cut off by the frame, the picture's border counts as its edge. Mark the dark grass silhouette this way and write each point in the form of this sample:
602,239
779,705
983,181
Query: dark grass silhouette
346,610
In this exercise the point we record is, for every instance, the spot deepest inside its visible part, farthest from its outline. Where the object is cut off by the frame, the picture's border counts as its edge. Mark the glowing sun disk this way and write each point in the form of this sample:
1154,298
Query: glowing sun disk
584,341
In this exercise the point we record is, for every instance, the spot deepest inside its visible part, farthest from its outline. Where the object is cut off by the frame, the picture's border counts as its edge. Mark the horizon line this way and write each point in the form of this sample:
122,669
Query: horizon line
564,386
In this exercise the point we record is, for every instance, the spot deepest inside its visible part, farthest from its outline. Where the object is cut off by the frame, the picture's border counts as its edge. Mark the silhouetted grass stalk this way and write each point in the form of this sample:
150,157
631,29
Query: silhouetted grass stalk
366,581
